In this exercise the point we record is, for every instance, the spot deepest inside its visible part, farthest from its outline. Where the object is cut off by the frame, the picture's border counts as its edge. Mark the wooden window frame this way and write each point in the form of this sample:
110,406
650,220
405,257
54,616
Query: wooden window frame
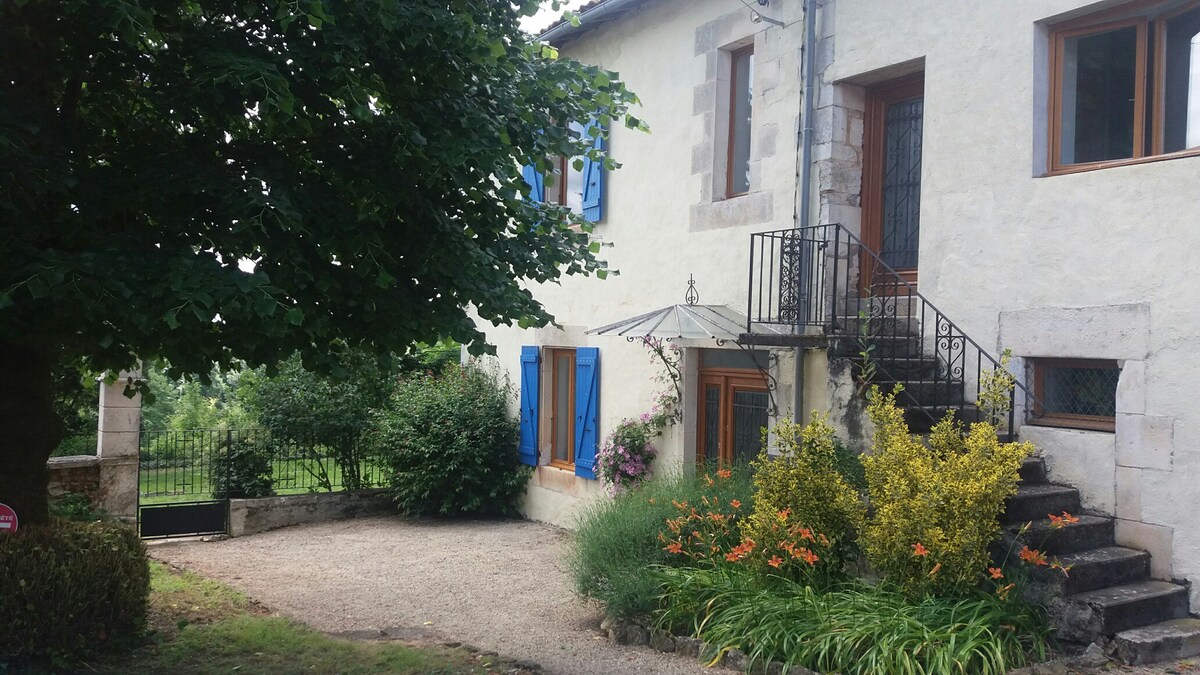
1150,82
729,380
1067,420
734,55
553,353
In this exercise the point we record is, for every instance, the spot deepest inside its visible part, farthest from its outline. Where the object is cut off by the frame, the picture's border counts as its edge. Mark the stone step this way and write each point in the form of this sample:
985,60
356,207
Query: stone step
909,369
1163,641
924,392
1037,501
1033,471
920,419
1096,568
1090,532
847,345
1085,617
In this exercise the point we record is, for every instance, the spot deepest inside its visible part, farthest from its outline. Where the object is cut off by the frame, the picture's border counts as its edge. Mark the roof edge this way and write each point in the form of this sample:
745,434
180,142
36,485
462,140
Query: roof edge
595,11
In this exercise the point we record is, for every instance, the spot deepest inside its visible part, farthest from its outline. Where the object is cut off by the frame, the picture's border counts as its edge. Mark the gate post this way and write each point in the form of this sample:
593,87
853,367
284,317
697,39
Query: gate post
117,448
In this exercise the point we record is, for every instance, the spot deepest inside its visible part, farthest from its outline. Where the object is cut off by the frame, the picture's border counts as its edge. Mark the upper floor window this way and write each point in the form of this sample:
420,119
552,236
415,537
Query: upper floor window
1125,85
567,186
741,78
575,182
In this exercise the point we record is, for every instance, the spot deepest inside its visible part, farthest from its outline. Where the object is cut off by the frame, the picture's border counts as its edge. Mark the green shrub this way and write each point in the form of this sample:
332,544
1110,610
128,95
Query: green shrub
936,504
69,588
449,447
618,541
242,468
74,506
853,629
803,487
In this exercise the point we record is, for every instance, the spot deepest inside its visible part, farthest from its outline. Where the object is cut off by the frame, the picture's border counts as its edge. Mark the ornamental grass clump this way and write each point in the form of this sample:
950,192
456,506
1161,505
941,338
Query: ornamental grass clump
801,494
850,629
936,505
619,541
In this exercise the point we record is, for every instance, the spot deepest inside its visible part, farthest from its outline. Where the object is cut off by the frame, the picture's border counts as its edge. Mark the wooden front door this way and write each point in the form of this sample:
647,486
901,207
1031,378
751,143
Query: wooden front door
892,176
734,407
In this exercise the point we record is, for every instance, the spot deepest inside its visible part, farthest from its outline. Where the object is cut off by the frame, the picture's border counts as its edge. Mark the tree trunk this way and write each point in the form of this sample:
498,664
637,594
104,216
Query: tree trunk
30,430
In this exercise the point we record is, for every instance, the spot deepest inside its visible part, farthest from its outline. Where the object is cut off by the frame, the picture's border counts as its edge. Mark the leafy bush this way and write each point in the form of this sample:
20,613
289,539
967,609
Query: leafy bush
618,541
74,506
853,629
802,491
68,588
449,447
242,468
936,506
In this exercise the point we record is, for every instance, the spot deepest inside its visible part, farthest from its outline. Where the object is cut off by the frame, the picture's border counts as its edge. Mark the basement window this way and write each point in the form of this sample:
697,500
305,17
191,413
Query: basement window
1075,393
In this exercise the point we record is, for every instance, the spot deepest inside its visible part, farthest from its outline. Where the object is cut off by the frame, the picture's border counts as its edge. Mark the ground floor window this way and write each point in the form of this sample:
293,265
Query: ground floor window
733,406
562,406
1075,393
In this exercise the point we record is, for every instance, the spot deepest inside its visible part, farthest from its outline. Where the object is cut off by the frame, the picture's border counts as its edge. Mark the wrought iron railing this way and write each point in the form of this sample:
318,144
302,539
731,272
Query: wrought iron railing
824,280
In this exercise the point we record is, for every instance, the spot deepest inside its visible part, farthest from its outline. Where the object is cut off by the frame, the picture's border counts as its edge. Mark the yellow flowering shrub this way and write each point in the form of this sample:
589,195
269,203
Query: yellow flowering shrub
802,491
936,505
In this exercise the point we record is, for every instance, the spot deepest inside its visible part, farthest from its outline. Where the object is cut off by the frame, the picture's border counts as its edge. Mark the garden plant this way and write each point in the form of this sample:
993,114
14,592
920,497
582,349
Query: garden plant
829,562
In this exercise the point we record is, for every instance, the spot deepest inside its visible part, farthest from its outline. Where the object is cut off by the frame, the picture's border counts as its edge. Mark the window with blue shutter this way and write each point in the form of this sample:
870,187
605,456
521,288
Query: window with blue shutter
593,177
581,190
530,383
587,410
537,188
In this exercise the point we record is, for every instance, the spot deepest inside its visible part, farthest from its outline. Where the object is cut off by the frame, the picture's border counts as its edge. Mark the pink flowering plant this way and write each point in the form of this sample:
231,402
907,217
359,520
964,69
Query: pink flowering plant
626,456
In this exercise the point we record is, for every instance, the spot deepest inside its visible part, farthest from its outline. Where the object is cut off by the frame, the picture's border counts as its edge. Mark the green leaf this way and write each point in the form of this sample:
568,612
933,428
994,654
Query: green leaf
294,316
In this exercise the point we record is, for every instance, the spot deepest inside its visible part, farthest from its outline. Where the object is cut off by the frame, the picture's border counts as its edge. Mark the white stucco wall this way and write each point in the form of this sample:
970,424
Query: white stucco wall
1089,265
660,215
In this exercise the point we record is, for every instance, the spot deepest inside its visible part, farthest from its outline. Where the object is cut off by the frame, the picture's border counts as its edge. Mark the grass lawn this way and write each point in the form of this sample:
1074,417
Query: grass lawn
193,482
201,626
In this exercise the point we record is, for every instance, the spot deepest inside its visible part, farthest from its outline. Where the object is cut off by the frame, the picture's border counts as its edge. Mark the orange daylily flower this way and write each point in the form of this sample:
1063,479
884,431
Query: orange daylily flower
783,515
996,572
808,556
1033,557
735,504
674,547
680,506
806,533
725,473
732,557
1058,522
919,550
775,561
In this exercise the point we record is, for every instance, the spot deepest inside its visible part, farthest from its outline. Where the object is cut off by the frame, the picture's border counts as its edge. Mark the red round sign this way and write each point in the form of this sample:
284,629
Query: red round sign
8,519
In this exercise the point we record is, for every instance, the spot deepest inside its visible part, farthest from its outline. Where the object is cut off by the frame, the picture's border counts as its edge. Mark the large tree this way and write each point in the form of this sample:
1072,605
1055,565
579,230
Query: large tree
364,154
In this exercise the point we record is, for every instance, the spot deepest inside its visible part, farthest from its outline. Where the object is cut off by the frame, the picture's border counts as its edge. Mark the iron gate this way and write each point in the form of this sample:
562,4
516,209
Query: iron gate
182,482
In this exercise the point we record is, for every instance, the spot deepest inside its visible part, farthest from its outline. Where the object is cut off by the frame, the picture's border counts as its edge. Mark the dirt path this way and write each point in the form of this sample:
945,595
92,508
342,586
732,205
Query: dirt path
499,586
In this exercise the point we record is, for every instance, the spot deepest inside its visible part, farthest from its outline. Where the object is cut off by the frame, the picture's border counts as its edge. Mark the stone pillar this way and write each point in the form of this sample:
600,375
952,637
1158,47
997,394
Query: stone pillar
117,448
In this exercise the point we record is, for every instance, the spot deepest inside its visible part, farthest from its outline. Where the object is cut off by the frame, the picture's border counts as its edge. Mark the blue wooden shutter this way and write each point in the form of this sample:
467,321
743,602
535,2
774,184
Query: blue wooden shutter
530,382
537,187
587,410
593,179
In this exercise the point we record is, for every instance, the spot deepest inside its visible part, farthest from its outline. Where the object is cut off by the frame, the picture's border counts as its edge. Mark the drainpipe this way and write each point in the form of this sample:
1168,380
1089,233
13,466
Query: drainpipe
809,52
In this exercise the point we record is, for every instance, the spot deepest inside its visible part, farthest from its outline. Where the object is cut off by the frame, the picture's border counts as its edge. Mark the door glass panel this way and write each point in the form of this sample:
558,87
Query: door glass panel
1181,104
712,423
903,126
562,407
1099,86
749,418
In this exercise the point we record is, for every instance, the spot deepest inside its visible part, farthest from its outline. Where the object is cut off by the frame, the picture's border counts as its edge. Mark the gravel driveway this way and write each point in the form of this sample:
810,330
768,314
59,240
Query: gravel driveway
498,586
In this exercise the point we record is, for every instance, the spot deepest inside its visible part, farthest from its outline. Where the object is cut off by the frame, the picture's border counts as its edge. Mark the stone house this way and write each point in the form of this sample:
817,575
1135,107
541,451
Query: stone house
969,178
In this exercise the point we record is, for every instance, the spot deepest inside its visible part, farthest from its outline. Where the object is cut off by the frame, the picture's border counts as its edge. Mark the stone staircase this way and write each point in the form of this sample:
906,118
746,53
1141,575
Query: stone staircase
1108,596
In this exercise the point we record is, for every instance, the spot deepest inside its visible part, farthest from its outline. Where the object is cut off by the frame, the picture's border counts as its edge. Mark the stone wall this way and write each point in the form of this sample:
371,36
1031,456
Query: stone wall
79,474
250,516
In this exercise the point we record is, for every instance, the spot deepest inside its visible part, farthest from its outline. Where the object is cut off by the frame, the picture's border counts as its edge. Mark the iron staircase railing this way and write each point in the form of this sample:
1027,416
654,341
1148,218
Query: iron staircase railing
823,280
